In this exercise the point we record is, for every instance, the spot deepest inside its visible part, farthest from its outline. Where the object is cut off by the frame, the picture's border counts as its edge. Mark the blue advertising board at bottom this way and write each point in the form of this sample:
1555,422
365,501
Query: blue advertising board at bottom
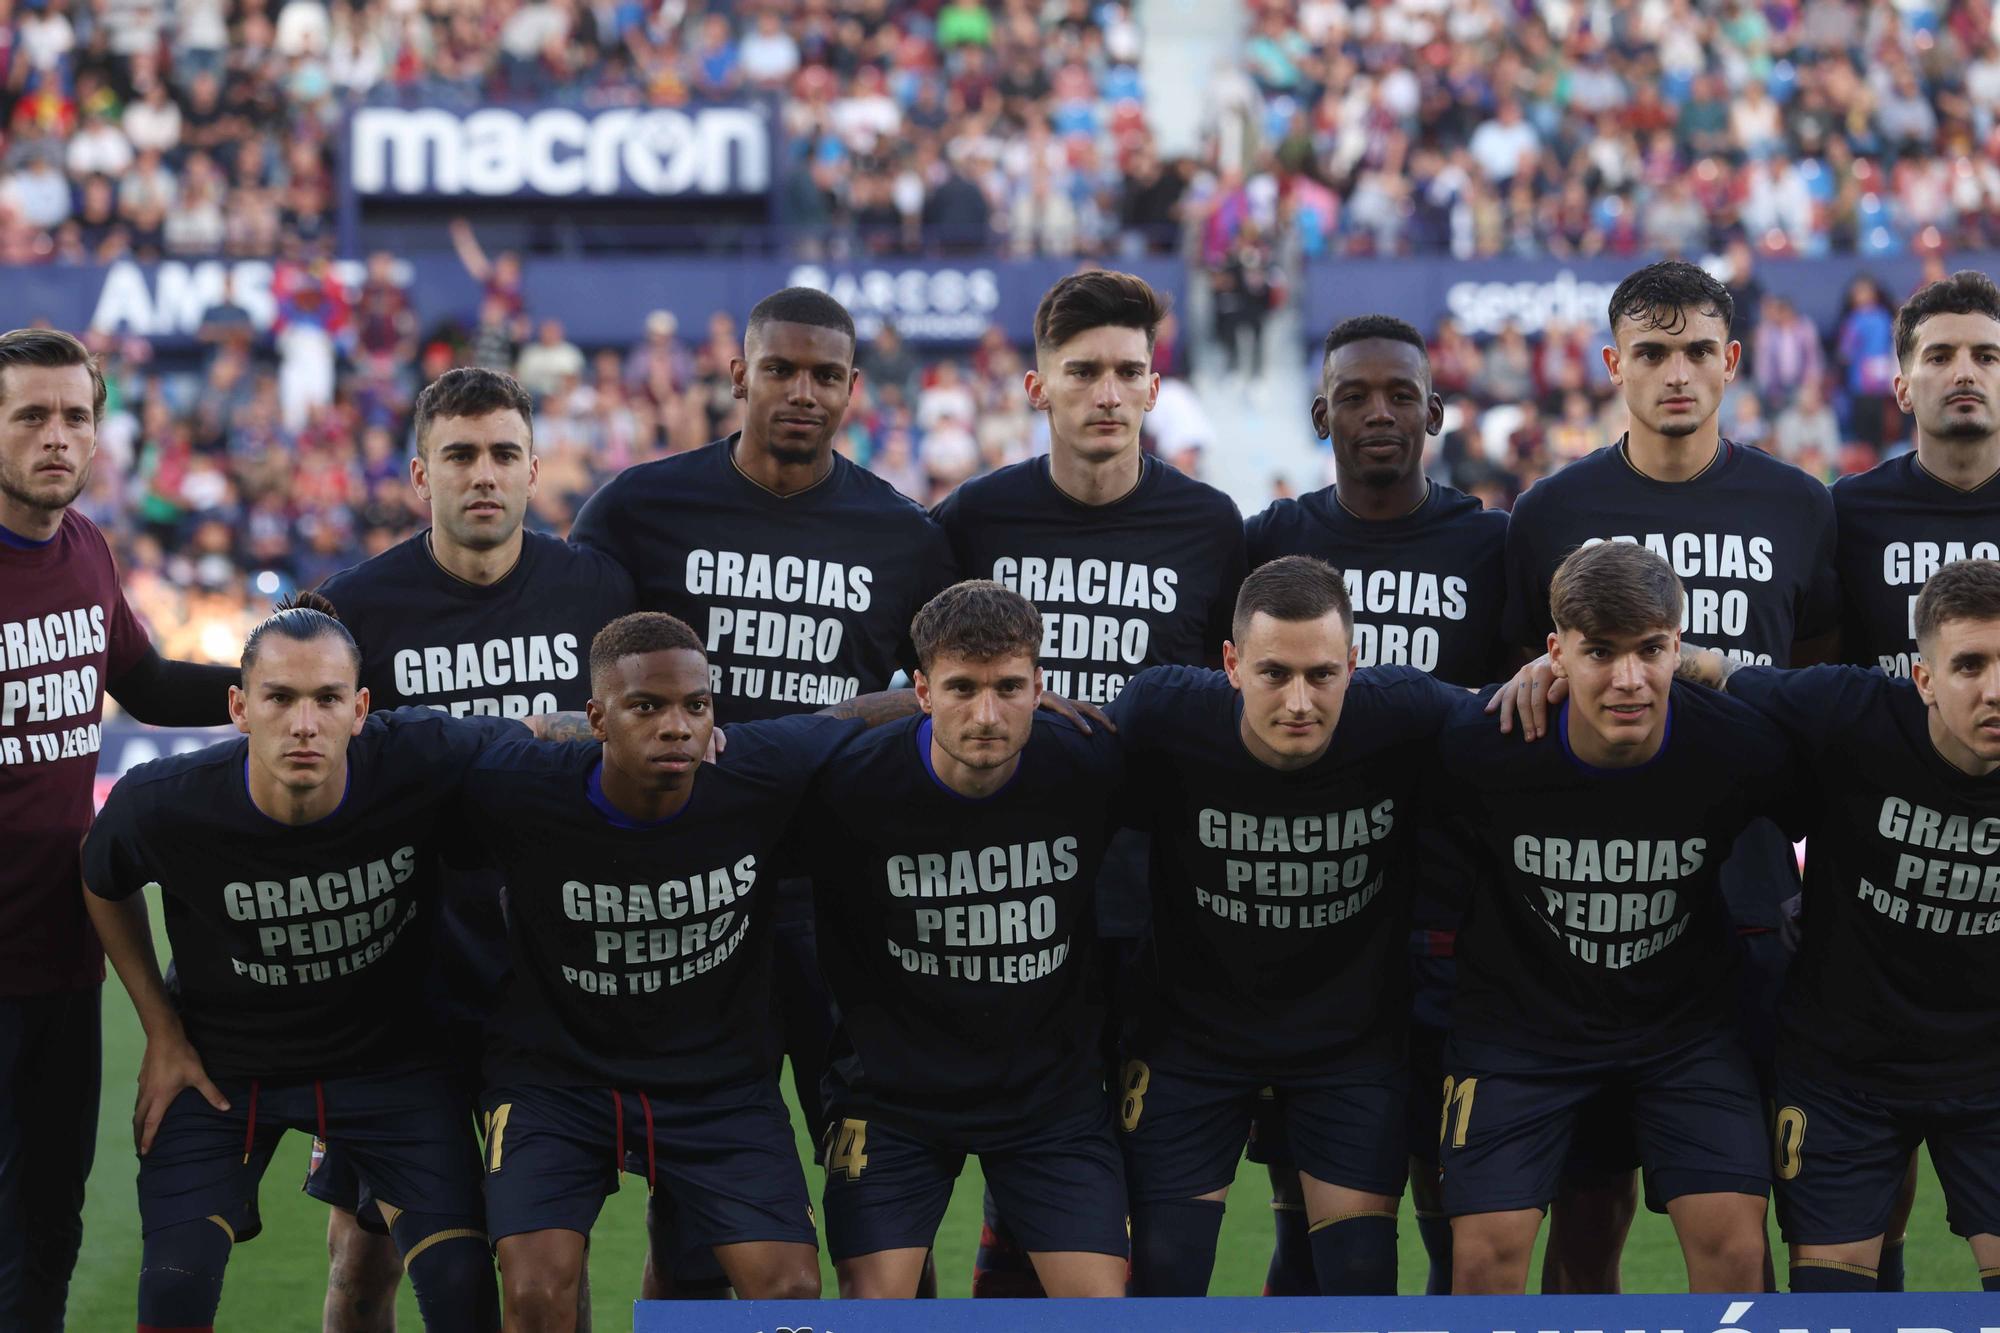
1936,1312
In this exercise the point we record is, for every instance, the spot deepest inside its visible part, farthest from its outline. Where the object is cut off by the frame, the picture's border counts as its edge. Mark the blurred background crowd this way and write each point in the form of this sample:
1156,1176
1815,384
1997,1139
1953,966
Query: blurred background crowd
1729,131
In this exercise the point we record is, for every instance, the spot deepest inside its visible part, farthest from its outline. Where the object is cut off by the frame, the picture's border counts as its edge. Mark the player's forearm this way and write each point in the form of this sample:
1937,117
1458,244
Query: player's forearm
1705,666
560,726
166,693
128,944
879,708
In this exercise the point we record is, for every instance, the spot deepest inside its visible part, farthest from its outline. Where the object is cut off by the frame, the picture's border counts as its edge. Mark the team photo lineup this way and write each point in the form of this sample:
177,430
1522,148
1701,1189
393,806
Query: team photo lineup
1076,825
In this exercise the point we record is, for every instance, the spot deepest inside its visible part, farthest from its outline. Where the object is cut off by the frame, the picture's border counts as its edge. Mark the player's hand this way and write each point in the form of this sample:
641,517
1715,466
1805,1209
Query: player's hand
1080,716
717,743
169,1066
1535,689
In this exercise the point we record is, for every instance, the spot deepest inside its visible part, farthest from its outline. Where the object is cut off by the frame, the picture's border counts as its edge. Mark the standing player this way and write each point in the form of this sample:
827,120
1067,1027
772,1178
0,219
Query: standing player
1751,538
801,571
1904,518
295,869
474,616
1280,797
1595,972
67,638
1131,563
1424,566
1891,1025
635,1024
956,856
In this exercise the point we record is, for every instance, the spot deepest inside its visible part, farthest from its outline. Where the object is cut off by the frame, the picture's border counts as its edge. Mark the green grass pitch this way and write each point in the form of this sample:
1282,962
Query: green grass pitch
277,1282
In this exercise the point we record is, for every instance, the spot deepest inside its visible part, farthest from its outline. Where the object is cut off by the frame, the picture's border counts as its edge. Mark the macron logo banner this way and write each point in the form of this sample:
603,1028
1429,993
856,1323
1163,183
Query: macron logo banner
501,152
1968,1312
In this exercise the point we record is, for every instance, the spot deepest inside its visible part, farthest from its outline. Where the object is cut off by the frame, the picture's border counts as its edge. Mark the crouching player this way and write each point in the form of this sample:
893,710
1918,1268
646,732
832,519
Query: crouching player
295,866
1600,960
635,1026
1280,794
1891,1016
954,859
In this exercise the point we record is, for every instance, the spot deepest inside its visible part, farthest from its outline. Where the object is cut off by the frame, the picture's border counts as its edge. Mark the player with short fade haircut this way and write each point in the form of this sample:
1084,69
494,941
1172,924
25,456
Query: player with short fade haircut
1752,540
1910,515
799,569
296,868
636,1026
70,639
474,615
1424,567
1595,965
955,854
1131,563
1891,1017
1281,795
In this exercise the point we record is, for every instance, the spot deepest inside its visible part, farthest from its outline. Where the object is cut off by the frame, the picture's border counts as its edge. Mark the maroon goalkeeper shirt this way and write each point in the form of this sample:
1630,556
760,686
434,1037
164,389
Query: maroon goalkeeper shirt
64,631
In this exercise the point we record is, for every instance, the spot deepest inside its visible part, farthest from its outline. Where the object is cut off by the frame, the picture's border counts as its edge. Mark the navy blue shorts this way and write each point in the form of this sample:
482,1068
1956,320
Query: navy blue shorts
728,1157
409,1135
1510,1117
1060,1186
331,1176
1839,1155
1182,1132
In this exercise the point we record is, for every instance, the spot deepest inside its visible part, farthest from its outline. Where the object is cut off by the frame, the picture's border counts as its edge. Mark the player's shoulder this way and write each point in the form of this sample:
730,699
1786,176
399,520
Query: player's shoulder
1887,479
1450,505
1721,720
80,533
1772,471
1168,683
1092,753
1273,524
1192,491
1587,471
392,568
566,560
1003,486
180,780
1393,682
671,476
774,747
529,759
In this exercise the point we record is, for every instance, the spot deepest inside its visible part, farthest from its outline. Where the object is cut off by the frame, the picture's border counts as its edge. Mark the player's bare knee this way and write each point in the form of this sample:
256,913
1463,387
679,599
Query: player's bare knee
788,1284
540,1298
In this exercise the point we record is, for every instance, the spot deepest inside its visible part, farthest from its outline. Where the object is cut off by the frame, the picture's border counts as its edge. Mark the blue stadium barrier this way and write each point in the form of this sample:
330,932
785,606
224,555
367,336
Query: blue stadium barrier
1955,1312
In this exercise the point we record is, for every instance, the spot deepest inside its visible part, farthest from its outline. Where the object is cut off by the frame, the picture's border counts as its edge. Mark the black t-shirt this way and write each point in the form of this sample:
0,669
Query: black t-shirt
1752,539
518,647
642,952
1428,590
1898,526
802,601
1897,982
1605,933
1281,898
1147,580
956,934
297,950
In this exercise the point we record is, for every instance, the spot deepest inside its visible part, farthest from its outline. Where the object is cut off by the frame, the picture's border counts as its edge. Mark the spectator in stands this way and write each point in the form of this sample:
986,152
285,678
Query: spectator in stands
545,363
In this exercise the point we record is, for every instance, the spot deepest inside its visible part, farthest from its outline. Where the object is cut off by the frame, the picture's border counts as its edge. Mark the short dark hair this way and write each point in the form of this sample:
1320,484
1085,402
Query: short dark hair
52,348
472,391
1362,328
1292,587
800,305
638,633
978,620
303,617
1094,299
1610,588
1966,292
1962,590
1659,296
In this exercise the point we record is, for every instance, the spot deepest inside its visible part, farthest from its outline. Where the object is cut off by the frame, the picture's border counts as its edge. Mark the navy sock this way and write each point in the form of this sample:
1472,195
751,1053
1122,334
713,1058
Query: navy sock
1173,1246
1354,1254
1889,1268
1989,1279
1436,1232
1827,1275
451,1272
180,1274
1291,1272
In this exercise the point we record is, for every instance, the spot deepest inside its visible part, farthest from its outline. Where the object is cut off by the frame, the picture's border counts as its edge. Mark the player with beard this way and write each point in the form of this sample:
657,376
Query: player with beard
800,570
1905,518
1131,564
1424,566
1594,973
69,639
1281,795
296,870
1891,1021
955,857
1752,539
474,615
